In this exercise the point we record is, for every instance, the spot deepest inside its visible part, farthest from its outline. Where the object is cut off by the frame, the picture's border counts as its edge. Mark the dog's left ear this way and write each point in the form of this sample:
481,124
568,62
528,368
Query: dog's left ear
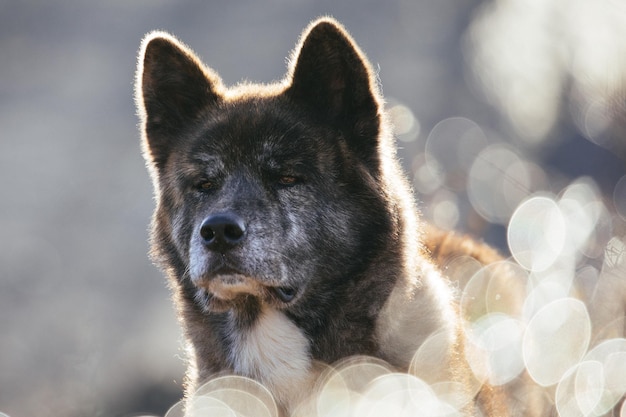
332,78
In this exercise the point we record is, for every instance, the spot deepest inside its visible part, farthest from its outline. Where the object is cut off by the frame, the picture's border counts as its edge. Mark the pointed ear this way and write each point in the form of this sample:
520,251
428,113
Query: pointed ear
172,89
333,79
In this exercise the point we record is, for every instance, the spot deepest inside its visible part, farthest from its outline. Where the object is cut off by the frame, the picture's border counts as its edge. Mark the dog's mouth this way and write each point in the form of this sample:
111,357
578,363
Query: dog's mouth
232,285
227,290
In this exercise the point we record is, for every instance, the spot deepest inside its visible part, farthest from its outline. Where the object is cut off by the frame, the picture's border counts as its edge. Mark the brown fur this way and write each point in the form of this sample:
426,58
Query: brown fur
445,245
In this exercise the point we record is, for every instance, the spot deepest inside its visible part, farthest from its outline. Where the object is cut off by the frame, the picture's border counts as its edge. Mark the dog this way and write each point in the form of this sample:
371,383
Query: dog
285,225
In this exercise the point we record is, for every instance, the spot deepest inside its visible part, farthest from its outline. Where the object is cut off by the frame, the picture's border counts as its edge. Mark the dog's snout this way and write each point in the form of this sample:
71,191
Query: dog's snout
221,232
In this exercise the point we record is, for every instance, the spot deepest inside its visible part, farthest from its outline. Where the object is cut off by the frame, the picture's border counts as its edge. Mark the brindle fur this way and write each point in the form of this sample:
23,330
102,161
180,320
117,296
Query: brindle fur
309,166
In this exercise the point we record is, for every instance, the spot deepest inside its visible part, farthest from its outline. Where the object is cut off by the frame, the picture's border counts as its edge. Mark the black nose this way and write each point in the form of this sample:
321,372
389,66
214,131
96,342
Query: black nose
223,231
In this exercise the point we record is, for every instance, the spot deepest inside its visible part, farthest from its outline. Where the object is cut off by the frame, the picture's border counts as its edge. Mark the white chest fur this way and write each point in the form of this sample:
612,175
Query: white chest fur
275,352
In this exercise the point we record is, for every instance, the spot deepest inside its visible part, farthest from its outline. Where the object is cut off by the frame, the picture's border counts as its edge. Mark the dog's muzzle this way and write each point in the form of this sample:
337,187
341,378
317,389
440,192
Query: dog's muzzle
221,233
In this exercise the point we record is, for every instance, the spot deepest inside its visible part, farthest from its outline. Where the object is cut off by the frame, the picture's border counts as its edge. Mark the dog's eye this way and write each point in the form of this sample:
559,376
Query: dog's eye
288,180
205,185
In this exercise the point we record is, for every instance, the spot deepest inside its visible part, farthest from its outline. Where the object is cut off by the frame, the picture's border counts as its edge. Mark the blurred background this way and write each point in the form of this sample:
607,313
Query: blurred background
495,101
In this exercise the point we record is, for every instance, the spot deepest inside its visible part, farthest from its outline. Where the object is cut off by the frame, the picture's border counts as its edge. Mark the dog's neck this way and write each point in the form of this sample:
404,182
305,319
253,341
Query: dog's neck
271,349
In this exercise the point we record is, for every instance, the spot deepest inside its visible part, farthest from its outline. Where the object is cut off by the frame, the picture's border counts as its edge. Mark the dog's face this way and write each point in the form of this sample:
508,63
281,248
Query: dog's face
264,192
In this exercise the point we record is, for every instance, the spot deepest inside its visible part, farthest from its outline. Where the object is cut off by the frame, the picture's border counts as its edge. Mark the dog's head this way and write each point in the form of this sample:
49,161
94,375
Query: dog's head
265,191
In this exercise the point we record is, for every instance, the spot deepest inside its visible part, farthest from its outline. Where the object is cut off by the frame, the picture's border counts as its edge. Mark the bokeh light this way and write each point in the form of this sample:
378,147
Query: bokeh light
536,233
615,254
443,209
498,181
619,197
543,48
588,222
426,179
176,410
228,396
430,362
580,389
494,288
556,338
451,148
610,355
494,348
343,386
403,395
405,124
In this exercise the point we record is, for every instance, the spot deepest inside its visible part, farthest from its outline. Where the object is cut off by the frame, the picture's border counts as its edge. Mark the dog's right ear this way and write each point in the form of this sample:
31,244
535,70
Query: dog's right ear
172,89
